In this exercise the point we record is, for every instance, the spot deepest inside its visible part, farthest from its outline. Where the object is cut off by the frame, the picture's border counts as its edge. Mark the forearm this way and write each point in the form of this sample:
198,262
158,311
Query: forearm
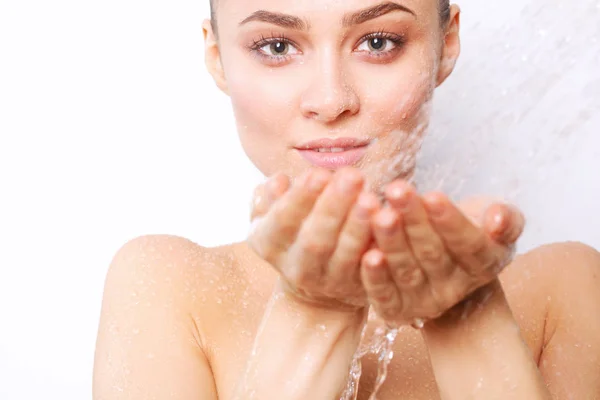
477,352
300,352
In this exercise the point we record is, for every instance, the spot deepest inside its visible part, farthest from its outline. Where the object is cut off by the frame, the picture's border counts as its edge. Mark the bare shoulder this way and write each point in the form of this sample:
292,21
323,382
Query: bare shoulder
173,270
552,287
565,266
149,340
200,284
158,277
564,283
569,272
164,263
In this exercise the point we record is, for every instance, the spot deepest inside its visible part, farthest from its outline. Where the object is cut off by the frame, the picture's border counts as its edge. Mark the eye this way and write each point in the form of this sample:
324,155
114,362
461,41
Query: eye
376,45
380,43
276,48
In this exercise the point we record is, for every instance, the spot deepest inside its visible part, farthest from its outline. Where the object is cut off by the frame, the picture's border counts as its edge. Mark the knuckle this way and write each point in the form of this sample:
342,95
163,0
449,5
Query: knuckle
284,226
302,278
384,295
430,253
409,278
343,268
476,246
347,245
336,289
316,247
400,260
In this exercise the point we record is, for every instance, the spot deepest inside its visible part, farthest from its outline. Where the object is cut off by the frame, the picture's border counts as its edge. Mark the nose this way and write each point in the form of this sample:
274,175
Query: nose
330,94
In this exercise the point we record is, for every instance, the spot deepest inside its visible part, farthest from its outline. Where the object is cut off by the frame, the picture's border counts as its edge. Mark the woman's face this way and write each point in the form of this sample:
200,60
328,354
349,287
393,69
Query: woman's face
330,83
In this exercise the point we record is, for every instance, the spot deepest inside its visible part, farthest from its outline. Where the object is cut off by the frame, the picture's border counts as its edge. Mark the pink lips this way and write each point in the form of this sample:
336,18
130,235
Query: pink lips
333,153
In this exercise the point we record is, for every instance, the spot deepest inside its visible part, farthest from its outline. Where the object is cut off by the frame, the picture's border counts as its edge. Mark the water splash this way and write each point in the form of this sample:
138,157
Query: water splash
351,390
381,344
386,354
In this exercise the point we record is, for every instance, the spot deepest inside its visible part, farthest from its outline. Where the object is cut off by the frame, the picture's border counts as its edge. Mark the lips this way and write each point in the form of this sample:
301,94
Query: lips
333,153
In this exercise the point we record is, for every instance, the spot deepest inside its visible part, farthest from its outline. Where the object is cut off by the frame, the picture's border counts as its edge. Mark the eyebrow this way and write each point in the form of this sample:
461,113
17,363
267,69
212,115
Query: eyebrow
355,18
279,19
377,11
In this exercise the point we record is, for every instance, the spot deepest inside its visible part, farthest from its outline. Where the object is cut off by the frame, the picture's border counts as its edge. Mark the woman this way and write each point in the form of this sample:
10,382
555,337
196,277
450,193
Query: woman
330,99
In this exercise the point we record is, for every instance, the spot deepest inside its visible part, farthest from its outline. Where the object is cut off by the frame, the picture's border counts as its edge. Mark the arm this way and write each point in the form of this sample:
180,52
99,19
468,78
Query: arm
477,352
570,360
148,347
491,361
302,351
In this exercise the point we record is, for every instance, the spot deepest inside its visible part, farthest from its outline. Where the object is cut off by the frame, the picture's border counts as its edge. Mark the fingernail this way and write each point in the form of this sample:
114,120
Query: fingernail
498,222
386,221
434,206
374,259
399,196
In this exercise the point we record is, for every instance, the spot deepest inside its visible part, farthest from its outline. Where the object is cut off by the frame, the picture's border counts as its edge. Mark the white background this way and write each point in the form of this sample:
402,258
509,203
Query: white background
110,128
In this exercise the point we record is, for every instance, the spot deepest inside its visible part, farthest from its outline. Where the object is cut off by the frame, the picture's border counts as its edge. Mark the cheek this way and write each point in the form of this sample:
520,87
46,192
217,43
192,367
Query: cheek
262,105
261,98
399,106
402,102
402,91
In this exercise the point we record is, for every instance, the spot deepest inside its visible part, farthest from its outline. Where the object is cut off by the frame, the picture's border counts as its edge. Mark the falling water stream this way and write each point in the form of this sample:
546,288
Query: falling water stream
380,344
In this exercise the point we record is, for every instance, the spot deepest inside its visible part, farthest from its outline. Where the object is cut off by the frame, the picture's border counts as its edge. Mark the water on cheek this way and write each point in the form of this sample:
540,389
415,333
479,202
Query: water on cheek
396,153
401,110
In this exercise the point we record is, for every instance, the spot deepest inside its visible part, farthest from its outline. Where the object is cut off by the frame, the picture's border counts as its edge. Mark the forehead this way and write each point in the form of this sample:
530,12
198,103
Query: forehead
235,11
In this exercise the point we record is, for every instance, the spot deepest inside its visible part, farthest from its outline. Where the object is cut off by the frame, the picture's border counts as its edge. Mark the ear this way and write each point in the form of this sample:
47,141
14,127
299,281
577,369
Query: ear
450,46
212,56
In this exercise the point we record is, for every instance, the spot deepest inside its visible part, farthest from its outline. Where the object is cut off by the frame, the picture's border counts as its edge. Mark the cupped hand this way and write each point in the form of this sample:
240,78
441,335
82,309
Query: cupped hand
429,256
314,232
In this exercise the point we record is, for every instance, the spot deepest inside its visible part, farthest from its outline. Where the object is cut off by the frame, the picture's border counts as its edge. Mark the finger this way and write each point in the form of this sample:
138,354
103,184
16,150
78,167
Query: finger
380,287
391,239
267,193
474,207
353,242
427,247
504,223
469,245
319,234
279,227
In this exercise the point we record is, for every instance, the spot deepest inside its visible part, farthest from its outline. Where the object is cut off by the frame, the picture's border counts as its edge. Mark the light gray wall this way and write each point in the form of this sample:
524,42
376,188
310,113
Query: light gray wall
520,117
